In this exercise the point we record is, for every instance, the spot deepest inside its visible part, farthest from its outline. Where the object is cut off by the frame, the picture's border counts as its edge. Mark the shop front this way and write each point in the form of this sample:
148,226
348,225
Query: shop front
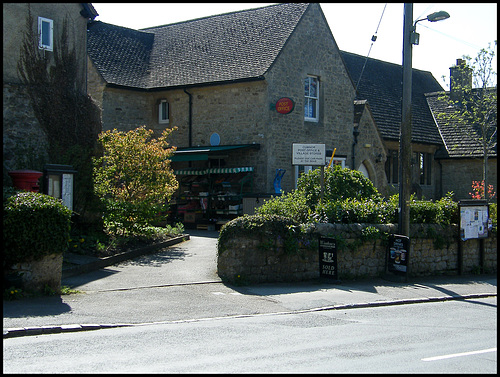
210,193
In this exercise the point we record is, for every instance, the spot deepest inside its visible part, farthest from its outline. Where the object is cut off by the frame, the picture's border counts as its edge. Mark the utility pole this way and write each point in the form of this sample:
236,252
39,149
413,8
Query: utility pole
405,131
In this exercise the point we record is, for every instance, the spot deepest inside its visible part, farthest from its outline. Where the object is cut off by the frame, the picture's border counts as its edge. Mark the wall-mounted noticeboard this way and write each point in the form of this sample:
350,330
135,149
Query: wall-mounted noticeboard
474,219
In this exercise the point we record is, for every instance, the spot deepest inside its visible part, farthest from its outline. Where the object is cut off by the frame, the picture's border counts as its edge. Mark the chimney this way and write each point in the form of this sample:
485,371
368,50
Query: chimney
460,79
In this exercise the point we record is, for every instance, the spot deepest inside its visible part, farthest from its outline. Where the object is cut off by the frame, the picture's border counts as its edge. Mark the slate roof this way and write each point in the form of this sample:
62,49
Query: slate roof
381,85
458,138
232,46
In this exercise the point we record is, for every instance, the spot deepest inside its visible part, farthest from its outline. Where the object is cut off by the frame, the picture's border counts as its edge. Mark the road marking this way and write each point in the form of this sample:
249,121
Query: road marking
459,354
223,294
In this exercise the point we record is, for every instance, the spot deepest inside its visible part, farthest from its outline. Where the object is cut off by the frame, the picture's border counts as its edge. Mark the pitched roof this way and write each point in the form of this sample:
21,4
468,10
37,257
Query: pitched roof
381,85
231,46
460,140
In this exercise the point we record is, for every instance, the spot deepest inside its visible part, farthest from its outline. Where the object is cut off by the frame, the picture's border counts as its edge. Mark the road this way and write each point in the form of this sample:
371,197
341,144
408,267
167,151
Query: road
439,337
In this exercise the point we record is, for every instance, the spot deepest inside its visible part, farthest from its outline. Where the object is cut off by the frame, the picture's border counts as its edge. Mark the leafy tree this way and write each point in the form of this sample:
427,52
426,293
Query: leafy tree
475,109
133,177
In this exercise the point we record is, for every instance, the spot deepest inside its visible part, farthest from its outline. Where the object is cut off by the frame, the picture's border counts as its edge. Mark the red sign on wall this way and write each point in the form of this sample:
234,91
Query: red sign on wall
284,105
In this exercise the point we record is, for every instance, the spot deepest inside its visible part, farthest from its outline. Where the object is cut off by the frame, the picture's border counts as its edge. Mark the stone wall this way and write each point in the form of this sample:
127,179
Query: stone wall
38,274
458,174
24,142
260,258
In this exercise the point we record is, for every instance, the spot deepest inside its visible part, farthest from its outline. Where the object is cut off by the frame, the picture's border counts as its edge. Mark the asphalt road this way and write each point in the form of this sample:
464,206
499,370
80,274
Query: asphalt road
440,337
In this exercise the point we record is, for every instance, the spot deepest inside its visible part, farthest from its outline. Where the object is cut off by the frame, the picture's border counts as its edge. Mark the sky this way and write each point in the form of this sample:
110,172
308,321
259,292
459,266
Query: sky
470,27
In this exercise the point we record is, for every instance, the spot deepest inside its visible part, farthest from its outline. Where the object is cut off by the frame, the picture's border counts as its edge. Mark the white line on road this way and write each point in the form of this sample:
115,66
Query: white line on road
459,354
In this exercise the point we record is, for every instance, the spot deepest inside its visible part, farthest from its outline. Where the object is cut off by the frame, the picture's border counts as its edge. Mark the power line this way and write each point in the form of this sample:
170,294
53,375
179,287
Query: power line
374,38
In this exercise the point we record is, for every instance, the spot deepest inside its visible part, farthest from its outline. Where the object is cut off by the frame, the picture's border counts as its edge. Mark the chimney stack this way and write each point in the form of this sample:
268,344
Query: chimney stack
460,79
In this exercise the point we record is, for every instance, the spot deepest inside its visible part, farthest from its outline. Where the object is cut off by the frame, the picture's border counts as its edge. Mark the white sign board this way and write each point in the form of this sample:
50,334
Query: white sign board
474,222
308,154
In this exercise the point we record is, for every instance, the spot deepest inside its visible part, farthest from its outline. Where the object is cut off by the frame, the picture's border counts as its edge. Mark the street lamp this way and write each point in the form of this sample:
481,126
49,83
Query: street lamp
410,37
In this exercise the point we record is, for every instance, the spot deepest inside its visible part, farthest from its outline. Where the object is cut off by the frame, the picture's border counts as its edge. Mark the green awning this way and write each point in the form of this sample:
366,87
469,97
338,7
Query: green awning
247,169
203,153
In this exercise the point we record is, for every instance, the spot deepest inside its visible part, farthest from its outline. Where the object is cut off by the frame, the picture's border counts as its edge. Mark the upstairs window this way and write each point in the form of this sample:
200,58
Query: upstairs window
46,34
311,103
163,115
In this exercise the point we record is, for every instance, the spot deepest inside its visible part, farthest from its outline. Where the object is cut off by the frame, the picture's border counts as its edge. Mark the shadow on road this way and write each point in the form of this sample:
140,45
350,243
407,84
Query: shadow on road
159,258
35,307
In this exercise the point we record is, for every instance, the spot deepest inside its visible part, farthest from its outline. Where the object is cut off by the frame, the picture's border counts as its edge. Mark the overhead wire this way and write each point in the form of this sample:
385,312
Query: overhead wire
374,38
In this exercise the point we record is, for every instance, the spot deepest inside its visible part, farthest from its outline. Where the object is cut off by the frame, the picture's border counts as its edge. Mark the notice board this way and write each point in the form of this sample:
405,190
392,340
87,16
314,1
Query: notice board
474,219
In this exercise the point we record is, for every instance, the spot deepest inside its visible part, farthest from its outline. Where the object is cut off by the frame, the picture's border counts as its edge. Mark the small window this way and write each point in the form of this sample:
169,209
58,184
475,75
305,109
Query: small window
163,116
392,167
424,161
311,103
46,34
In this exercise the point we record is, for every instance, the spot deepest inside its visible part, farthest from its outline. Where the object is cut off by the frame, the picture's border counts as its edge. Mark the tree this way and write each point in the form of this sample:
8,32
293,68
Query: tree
475,106
133,177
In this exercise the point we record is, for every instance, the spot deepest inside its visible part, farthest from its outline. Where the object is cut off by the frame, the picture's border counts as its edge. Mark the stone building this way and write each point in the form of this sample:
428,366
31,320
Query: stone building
221,82
24,142
218,80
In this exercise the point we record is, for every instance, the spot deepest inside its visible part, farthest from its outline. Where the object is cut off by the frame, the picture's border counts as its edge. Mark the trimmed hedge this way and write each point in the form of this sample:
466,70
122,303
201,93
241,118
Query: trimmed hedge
34,225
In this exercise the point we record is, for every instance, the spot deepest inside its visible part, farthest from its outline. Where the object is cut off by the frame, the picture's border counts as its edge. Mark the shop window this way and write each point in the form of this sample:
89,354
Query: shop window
163,112
311,103
46,33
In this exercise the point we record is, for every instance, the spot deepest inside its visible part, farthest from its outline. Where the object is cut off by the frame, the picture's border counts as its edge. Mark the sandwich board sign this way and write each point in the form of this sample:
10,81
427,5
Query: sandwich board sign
328,258
398,254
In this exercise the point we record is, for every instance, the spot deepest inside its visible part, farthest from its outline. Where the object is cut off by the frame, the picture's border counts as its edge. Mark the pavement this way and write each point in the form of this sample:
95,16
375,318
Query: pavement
178,282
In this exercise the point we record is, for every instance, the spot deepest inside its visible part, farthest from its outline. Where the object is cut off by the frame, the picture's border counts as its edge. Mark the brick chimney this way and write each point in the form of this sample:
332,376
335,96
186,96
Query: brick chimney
460,78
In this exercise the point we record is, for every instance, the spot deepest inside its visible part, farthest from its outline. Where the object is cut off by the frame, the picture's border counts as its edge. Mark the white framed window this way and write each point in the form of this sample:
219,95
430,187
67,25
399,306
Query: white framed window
163,112
336,161
46,34
311,100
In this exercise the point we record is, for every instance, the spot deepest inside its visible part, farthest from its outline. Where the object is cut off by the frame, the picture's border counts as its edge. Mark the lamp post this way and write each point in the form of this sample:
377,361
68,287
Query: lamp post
410,37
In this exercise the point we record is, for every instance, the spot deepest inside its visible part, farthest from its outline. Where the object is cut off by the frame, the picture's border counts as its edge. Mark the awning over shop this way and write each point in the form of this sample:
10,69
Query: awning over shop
214,171
203,153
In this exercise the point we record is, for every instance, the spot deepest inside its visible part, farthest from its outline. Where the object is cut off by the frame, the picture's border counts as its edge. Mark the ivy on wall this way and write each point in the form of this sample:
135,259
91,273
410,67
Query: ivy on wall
68,116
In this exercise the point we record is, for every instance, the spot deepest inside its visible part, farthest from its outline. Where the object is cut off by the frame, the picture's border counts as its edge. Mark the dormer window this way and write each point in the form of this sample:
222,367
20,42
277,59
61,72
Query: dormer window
163,112
46,34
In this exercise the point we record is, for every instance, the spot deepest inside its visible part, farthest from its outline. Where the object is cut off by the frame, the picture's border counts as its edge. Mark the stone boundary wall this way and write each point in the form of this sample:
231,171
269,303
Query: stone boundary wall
261,258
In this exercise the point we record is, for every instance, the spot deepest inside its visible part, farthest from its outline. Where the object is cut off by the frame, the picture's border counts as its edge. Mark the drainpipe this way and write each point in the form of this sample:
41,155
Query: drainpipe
190,138
355,133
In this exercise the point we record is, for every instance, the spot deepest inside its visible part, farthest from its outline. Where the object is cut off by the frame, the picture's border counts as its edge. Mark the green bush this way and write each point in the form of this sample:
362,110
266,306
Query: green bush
34,225
340,183
290,231
351,210
292,205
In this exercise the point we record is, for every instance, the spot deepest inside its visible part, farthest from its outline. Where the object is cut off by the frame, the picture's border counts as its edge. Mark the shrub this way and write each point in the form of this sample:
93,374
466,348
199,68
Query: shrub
351,210
34,225
292,205
340,183
291,232
134,178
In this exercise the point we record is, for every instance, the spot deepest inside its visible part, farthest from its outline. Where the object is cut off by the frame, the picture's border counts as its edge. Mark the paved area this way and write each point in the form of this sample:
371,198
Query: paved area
180,283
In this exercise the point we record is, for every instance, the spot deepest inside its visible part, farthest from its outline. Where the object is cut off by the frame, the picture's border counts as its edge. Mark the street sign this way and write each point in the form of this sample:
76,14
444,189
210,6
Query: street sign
308,154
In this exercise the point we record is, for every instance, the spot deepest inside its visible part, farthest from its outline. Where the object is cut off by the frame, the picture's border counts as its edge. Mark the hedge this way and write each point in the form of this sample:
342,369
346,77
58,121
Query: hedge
34,225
